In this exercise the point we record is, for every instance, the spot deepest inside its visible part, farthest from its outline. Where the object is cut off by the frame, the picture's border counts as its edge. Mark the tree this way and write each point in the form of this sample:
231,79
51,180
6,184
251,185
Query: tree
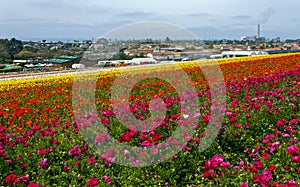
121,56
3,54
168,40
24,54
13,47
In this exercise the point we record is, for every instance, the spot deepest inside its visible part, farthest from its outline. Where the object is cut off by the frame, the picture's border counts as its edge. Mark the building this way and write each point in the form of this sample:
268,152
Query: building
248,38
63,61
138,61
233,54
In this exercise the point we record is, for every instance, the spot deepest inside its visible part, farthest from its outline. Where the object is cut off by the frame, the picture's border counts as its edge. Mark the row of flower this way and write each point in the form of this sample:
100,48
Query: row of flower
49,134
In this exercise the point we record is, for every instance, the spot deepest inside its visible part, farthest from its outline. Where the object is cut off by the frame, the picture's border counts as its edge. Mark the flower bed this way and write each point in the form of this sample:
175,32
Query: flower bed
43,143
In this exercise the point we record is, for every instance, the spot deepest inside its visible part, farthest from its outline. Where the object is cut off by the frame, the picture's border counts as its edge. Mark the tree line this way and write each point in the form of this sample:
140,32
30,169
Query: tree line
17,49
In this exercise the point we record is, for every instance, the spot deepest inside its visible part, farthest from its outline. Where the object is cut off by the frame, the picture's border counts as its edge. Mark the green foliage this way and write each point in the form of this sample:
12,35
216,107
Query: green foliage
121,56
13,47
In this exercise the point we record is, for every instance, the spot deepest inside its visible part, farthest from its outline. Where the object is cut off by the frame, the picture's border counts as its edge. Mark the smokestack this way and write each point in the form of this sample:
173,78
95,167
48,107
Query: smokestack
258,31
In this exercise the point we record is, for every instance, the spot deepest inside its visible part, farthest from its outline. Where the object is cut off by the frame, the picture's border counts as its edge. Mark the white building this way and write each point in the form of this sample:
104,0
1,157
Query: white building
78,66
233,54
138,61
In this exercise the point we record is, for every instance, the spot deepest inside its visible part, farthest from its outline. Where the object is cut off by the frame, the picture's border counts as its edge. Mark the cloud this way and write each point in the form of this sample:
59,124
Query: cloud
27,20
265,15
150,29
137,14
198,15
221,32
241,17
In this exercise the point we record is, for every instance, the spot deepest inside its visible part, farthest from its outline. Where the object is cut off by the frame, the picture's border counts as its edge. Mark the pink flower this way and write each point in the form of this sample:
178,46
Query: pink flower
197,140
74,151
107,179
293,121
50,150
23,180
247,115
137,162
266,175
66,168
44,164
154,151
147,144
270,136
292,150
228,114
225,164
91,160
291,183
243,184
77,163
258,164
23,165
296,159
142,154
217,159
286,136
163,158
238,126
100,138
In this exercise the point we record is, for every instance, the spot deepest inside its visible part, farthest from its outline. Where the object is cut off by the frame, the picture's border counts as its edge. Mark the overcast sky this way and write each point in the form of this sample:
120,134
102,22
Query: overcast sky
208,19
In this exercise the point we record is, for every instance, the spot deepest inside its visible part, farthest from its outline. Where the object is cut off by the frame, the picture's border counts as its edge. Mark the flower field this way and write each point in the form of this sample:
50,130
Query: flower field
50,136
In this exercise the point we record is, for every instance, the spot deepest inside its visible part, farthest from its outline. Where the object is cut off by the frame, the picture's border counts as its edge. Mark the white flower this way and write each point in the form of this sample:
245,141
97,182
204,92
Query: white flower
185,116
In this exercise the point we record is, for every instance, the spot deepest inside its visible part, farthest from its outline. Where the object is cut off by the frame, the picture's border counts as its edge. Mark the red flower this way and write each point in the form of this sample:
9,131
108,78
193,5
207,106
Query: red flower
265,155
125,138
92,182
34,185
41,152
156,138
209,174
11,178
232,120
272,167
205,118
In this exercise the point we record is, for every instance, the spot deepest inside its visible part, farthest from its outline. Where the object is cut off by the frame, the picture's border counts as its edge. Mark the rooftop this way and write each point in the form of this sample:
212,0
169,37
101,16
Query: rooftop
57,61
